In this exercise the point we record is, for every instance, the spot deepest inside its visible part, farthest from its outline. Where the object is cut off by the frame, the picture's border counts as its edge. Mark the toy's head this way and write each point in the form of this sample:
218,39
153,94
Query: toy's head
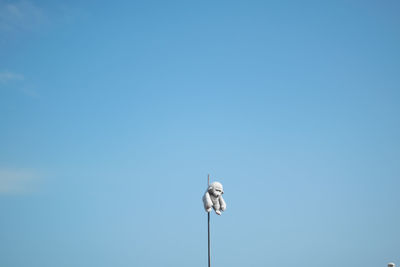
216,189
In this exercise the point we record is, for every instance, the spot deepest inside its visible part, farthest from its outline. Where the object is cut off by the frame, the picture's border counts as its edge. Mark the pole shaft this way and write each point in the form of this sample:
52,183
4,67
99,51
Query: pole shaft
208,215
209,256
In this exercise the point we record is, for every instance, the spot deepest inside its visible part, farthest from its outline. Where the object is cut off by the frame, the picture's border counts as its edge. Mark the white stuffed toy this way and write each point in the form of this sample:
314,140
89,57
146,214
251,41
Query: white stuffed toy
213,198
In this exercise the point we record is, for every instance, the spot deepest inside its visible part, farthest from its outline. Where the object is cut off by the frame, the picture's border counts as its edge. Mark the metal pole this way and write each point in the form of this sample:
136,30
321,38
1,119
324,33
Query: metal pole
209,256
208,214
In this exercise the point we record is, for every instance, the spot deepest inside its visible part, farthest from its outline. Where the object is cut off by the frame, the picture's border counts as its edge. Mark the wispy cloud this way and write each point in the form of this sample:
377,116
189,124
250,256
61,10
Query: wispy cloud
6,76
17,82
14,182
20,16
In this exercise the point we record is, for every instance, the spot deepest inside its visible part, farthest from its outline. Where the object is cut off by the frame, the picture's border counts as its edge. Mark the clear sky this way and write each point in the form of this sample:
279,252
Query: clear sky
113,113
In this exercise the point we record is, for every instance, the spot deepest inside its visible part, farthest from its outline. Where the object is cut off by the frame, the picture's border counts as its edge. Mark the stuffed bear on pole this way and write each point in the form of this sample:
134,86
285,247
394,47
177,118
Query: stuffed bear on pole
213,199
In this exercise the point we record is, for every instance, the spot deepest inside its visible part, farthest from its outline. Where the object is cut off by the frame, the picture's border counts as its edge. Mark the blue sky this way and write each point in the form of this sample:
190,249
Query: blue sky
113,114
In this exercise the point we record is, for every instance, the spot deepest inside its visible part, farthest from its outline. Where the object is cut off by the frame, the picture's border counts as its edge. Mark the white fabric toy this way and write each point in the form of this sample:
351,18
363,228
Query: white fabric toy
213,198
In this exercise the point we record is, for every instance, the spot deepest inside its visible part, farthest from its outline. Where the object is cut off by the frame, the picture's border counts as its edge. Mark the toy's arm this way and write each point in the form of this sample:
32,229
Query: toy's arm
222,203
207,202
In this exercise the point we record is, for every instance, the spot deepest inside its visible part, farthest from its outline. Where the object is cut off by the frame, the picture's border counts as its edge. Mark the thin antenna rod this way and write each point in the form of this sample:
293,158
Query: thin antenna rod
208,214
